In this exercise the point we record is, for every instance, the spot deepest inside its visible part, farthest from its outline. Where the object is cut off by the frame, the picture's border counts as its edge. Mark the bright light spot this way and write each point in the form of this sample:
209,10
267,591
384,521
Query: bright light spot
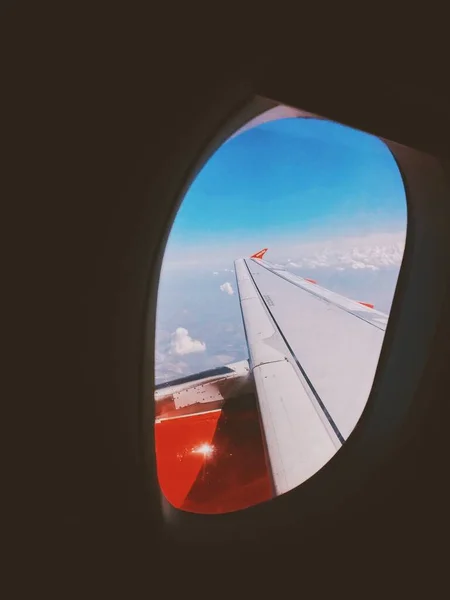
205,449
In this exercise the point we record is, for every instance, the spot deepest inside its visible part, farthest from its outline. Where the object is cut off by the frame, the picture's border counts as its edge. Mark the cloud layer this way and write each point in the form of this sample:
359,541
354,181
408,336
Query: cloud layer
371,252
380,249
182,343
355,257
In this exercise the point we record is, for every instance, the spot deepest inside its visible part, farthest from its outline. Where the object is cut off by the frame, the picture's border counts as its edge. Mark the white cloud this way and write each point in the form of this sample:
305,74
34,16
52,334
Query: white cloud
182,343
215,272
226,287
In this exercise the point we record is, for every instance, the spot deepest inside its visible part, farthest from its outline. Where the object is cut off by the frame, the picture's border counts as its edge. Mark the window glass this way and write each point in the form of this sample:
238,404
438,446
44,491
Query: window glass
302,322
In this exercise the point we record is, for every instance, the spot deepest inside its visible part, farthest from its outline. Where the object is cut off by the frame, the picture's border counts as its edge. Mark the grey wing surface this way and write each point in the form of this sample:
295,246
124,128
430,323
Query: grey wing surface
313,354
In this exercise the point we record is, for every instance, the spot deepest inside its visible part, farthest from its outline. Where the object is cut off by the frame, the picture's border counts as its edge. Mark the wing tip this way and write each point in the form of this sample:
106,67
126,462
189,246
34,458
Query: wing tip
259,254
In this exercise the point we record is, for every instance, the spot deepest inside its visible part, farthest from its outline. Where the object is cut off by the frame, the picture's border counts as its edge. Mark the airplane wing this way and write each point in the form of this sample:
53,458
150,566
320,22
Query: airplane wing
239,434
313,355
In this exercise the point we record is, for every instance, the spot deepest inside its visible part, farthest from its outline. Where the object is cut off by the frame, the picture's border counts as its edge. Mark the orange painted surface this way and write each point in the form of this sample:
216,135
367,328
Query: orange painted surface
310,280
259,254
212,463
367,304
178,459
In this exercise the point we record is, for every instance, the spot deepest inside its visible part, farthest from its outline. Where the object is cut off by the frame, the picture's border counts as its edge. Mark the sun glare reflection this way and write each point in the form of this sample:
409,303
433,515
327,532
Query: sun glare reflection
205,449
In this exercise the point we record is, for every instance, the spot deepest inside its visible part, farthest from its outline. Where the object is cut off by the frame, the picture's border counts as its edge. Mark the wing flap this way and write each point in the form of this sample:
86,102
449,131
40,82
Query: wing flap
298,444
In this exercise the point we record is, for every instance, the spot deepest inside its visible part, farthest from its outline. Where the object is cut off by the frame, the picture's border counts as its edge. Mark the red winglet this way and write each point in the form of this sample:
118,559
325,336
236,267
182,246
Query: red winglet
310,280
259,254
367,304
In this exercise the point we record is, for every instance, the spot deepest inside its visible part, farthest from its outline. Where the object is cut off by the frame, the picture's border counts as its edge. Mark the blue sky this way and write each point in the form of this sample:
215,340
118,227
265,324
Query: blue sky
292,177
327,200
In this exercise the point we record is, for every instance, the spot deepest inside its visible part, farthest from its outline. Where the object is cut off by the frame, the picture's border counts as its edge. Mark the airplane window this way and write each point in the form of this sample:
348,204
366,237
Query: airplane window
275,293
